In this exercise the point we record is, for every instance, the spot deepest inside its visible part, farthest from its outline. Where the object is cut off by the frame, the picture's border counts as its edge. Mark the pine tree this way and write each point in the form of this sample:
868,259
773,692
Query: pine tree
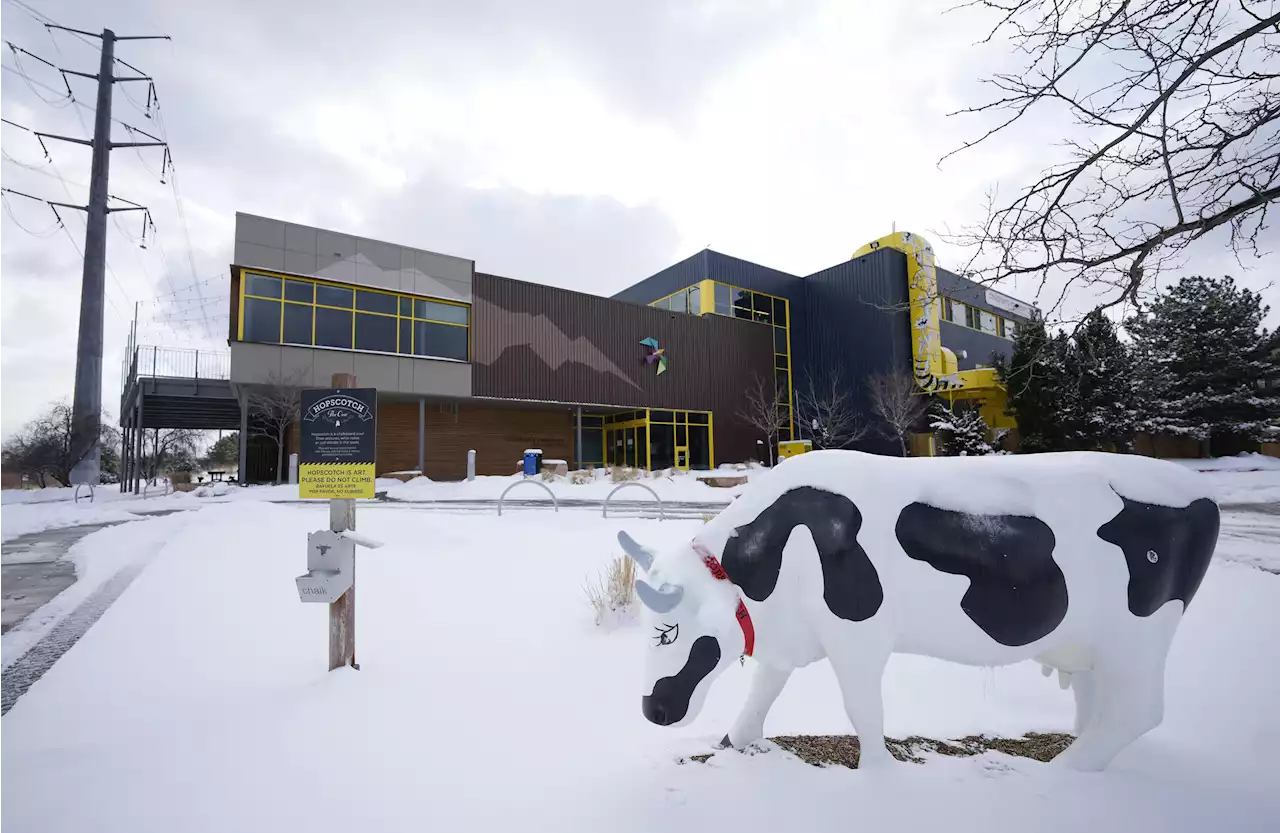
961,430
1202,358
1099,399
1034,380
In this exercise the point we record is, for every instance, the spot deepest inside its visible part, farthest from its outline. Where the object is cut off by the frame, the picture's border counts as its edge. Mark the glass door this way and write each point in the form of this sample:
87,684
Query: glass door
682,458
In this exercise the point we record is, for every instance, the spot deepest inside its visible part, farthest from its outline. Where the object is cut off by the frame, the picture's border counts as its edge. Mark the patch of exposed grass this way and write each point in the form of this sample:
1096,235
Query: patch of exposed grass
844,750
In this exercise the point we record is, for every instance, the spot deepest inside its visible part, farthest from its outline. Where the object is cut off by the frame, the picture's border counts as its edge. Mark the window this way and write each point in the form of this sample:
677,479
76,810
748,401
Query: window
780,340
333,327
723,300
376,332
679,302
987,321
333,296
430,339
948,310
261,286
277,309
970,316
742,304
1010,329
764,308
262,319
297,322
376,302
695,300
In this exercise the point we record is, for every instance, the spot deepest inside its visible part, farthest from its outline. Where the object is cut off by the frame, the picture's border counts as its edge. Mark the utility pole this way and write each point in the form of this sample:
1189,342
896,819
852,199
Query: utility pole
86,407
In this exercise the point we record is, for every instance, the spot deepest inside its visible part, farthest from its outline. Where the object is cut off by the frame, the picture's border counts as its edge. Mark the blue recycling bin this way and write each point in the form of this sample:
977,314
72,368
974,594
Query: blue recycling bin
532,461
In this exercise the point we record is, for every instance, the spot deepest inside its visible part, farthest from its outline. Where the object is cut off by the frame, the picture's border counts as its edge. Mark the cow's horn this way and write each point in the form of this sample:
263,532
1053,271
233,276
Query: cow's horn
660,599
639,554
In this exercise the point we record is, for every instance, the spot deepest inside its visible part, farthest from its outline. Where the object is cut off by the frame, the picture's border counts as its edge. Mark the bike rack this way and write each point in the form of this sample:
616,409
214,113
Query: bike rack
661,512
543,486
75,496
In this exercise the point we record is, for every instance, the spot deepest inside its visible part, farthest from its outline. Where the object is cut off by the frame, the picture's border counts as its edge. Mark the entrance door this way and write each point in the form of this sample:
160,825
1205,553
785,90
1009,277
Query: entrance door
682,458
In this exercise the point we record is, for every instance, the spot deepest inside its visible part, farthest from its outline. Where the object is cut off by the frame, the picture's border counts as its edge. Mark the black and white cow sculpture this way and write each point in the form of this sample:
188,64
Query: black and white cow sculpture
1081,561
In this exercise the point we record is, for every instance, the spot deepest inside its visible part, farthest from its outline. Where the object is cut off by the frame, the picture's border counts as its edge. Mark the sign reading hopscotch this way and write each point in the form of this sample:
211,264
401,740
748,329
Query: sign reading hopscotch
338,443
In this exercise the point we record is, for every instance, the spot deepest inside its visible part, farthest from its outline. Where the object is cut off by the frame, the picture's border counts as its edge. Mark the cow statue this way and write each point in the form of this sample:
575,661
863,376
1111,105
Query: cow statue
1082,561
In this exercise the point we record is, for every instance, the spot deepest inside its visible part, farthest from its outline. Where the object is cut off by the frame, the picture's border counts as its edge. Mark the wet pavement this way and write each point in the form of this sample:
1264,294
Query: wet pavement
34,569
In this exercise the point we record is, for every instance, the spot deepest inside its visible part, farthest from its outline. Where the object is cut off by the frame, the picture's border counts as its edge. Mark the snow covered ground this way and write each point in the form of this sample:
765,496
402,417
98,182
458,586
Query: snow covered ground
488,700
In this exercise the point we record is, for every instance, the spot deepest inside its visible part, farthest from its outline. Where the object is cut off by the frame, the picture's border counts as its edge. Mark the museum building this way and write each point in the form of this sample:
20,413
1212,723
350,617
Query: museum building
659,375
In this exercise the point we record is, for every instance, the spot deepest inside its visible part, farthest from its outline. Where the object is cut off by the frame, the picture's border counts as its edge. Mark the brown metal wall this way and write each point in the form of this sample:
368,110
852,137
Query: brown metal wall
542,343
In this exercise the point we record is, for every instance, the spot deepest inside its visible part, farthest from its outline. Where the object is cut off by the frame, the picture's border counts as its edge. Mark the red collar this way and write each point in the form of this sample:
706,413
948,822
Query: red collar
744,618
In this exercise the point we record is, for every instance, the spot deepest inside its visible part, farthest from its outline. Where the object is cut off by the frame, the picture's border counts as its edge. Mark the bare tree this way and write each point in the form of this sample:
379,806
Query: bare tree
42,449
827,412
897,400
1177,106
172,449
766,411
273,408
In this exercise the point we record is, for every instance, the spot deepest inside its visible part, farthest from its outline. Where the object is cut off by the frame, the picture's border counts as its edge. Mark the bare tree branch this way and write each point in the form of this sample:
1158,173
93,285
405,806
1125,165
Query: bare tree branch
766,411
896,399
827,412
273,408
1178,107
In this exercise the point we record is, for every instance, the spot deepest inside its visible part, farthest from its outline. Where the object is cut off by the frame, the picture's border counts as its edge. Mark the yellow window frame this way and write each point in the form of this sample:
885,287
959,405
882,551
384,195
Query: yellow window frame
284,276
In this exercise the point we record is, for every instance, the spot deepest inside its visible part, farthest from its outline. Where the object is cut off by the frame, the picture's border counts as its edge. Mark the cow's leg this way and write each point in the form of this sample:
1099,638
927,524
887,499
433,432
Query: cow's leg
1084,687
859,656
1128,696
766,685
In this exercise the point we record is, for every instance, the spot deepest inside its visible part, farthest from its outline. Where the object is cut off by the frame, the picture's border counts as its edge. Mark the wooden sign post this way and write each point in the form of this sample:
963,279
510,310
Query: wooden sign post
339,427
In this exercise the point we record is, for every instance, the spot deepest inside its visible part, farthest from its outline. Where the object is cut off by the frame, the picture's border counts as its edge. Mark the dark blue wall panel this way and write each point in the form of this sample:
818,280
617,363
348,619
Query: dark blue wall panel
675,277
858,321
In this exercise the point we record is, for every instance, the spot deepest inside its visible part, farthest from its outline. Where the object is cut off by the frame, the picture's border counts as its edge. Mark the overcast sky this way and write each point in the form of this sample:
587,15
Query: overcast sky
580,143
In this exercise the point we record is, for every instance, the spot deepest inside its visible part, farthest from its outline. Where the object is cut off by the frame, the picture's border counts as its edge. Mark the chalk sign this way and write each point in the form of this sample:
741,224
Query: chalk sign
338,443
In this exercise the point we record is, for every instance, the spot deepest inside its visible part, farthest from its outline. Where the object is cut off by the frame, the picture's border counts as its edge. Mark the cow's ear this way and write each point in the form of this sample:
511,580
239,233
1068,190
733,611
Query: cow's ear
641,555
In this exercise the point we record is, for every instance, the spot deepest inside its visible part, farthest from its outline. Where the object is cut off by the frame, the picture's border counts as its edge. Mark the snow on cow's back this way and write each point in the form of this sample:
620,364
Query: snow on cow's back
997,484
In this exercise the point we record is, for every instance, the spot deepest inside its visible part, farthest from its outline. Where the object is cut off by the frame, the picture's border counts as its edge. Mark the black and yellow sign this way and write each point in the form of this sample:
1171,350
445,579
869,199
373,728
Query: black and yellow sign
338,443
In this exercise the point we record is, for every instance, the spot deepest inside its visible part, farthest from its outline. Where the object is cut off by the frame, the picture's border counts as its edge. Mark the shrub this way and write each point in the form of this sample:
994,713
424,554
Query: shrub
581,478
612,593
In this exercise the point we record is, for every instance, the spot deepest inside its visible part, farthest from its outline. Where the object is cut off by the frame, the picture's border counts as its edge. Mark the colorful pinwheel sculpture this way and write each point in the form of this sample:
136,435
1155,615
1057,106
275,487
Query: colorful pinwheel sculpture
657,355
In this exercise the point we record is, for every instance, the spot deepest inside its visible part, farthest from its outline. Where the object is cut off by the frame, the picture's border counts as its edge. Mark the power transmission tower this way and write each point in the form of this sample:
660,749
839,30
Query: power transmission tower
86,407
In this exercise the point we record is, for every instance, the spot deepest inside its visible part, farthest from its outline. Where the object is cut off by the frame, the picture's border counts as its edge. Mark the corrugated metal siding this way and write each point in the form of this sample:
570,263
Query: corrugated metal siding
675,277
542,343
858,321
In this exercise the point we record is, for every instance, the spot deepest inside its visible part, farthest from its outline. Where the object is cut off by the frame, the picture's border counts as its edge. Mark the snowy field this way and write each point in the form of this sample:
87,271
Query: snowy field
488,699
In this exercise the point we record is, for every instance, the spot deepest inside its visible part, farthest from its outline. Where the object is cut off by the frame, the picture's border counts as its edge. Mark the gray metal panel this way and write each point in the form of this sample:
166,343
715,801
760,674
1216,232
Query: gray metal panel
427,285
257,256
335,268
438,378
299,263
443,267
297,365
300,238
329,362
370,274
259,230
254,363
376,371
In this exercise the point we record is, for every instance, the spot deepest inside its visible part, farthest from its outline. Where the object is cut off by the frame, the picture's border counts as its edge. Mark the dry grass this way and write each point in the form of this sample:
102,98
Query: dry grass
613,590
624,474
581,477
843,750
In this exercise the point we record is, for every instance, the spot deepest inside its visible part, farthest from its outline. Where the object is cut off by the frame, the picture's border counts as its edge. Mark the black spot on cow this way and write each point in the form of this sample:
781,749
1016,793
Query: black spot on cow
669,702
753,556
1017,593
1167,550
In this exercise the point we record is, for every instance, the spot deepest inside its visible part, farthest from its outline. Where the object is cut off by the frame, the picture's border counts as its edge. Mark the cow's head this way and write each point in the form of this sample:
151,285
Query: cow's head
693,631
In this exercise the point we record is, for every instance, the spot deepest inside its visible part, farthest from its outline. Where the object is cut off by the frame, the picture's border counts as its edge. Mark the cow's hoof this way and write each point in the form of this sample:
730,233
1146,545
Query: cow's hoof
724,743
877,762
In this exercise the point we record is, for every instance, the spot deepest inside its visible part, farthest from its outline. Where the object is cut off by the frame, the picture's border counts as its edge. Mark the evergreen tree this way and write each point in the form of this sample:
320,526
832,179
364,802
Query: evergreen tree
1034,381
961,430
1099,402
1202,360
